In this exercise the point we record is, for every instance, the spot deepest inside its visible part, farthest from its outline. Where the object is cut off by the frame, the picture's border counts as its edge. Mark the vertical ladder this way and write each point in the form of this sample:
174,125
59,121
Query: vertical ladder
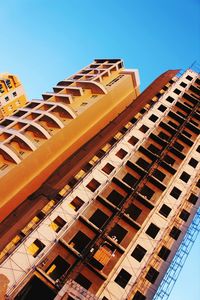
179,259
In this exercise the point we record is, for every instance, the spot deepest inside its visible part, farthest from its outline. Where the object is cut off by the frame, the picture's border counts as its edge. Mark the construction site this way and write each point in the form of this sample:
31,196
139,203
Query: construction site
99,184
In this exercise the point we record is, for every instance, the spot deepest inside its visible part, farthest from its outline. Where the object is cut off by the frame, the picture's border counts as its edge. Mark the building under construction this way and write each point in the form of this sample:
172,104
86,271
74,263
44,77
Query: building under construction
98,184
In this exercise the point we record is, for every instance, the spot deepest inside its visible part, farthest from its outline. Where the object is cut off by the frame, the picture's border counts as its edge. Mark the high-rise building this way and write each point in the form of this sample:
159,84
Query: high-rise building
103,183
12,94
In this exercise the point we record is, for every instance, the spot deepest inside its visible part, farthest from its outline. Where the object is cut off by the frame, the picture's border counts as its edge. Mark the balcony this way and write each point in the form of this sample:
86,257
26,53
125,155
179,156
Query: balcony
35,288
141,161
195,90
105,258
150,192
189,100
122,233
137,211
114,194
56,264
128,176
78,240
162,175
98,214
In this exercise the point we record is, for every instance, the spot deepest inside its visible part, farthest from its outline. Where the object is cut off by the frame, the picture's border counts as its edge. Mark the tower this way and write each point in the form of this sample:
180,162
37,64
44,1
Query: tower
12,94
118,188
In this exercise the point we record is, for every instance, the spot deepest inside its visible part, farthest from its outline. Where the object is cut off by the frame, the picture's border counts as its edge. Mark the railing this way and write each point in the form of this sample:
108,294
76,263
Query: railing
75,290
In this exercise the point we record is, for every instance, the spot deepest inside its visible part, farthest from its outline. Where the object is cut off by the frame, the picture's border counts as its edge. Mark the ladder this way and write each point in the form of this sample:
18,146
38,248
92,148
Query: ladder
179,259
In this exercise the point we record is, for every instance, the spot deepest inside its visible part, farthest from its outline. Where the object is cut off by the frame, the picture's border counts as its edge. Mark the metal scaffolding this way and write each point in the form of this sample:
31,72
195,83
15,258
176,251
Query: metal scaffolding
179,259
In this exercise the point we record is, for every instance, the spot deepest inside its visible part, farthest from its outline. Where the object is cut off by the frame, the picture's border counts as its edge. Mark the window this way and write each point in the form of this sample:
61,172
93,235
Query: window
152,230
143,163
76,203
35,248
83,281
154,149
138,296
185,177
175,193
181,114
14,94
133,120
168,159
170,99
84,103
189,78
153,118
143,110
35,288
57,224
108,168
172,124
193,162
184,215
80,241
7,98
144,128
198,149
118,233
147,192
98,218
193,199
183,84
178,146
194,122
8,83
162,108
100,153
163,136
198,184
165,87
186,133
152,275
164,253
93,185
115,197
177,91
133,140
165,210
138,253
159,175
112,141
175,232
121,153
57,268
1,88
133,211
130,180
123,278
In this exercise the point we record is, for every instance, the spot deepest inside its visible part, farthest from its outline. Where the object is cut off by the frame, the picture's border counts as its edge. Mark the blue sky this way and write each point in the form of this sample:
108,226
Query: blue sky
44,41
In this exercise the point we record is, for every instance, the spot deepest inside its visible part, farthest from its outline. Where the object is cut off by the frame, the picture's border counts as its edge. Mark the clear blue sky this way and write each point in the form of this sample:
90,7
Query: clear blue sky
44,41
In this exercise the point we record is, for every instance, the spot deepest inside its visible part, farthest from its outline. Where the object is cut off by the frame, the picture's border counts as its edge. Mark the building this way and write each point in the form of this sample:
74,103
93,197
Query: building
12,94
67,118
107,183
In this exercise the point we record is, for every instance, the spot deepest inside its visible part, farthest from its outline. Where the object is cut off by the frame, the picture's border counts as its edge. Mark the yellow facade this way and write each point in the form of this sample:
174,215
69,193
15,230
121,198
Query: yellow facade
49,131
12,95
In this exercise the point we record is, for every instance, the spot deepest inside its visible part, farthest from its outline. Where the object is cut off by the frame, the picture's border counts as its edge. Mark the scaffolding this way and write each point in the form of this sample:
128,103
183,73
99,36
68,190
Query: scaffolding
179,259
